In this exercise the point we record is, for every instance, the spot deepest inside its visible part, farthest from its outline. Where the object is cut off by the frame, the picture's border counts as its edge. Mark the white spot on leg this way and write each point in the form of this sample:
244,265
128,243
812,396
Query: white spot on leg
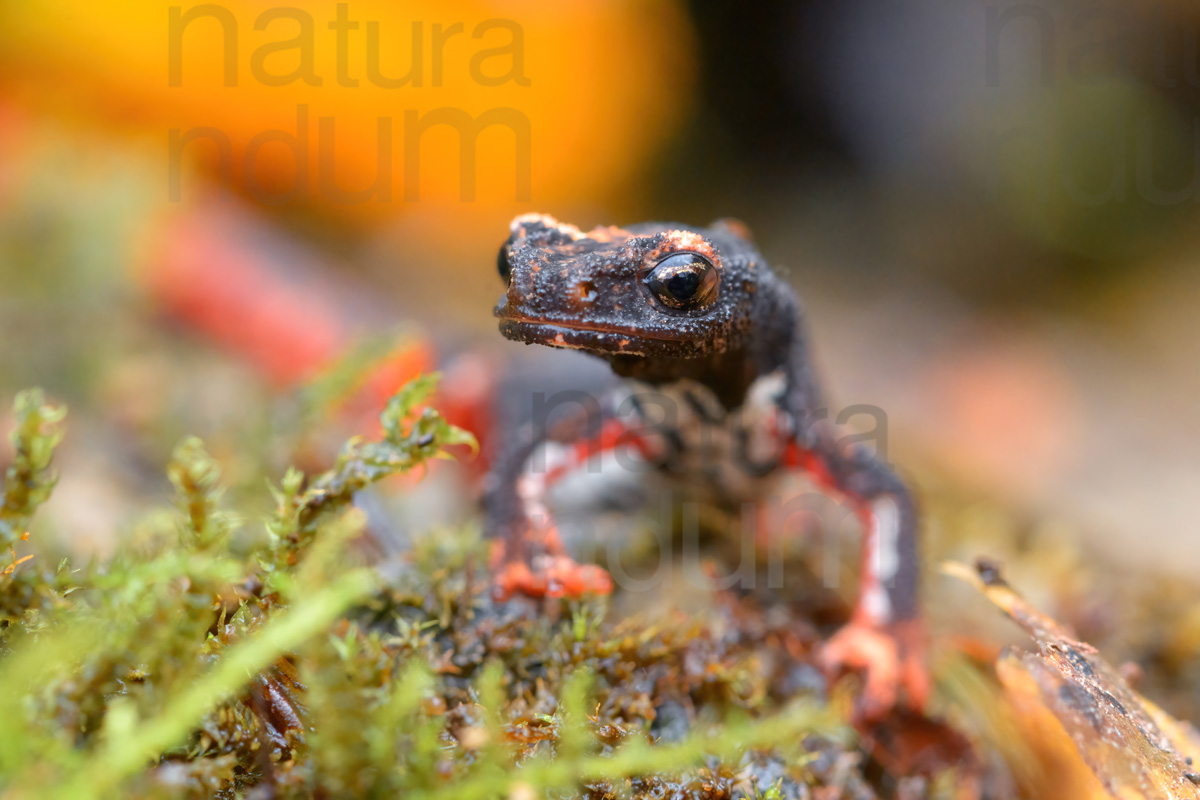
874,604
887,531
880,560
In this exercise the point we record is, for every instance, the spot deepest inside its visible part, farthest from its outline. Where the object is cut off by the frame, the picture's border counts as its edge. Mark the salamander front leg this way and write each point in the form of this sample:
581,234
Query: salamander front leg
885,638
528,556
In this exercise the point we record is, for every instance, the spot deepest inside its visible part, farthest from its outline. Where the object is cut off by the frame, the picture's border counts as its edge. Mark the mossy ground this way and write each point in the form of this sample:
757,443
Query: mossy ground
195,664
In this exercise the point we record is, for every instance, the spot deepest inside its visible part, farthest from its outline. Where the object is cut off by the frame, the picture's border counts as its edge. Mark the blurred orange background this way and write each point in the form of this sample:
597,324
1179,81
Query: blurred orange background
938,183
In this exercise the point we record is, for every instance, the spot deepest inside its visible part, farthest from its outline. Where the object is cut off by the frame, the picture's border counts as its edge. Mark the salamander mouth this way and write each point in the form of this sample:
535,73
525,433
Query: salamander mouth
575,336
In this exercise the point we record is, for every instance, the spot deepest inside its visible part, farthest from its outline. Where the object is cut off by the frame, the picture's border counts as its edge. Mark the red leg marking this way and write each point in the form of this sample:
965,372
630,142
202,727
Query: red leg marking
549,571
890,654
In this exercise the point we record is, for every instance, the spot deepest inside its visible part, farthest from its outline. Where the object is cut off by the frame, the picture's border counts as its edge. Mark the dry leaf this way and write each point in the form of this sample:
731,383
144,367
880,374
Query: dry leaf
1067,698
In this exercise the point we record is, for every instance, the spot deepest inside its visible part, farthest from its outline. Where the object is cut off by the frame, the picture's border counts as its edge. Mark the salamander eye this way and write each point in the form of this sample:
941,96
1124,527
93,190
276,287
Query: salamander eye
502,264
684,281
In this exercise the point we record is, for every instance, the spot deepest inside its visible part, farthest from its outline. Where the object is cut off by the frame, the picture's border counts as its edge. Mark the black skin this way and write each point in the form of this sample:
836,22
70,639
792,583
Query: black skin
663,302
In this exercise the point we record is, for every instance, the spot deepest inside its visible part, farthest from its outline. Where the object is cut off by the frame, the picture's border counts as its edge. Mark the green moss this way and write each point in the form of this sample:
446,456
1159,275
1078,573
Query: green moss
186,669
29,481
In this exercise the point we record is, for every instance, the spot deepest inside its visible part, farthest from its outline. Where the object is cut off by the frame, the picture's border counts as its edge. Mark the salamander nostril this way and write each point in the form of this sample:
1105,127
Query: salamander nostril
585,291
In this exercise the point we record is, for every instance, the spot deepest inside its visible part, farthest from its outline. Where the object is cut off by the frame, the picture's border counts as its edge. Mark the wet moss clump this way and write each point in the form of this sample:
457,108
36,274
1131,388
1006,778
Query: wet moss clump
186,666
